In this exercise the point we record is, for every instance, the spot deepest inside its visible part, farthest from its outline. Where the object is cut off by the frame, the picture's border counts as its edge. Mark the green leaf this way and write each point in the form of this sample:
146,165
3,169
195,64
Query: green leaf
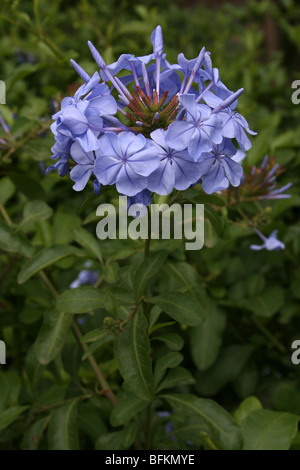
97,344
176,377
182,307
147,269
88,242
52,336
94,335
199,197
216,421
266,304
10,415
7,190
206,339
80,300
128,434
228,366
33,211
110,441
34,434
132,348
172,340
90,420
63,227
214,219
45,258
27,185
167,361
21,72
14,243
128,406
247,406
269,430
262,142
62,431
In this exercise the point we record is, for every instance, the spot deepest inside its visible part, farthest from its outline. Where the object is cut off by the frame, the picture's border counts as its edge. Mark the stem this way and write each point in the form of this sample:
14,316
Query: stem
145,311
78,335
268,335
146,254
93,363
5,215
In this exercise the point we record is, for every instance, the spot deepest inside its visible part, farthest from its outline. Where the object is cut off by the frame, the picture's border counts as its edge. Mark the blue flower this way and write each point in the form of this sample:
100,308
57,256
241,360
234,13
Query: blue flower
269,243
82,172
177,169
219,167
86,276
62,166
125,160
141,201
81,117
198,132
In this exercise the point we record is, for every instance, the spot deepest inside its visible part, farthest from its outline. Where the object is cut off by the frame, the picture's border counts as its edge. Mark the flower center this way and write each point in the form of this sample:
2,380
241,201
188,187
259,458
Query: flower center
147,113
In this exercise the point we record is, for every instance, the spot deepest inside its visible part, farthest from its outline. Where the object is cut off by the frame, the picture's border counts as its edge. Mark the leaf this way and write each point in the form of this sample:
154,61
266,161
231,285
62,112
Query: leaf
88,242
52,336
176,377
34,434
110,441
96,345
147,269
216,421
62,431
266,304
80,300
90,420
247,406
128,406
269,430
7,190
132,348
45,258
199,197
63,227
182,307
214,219
27,185
262,142
172,340
10,415
21,72
33,211
224,370
167,361
94,335
14,243
206,339
128,434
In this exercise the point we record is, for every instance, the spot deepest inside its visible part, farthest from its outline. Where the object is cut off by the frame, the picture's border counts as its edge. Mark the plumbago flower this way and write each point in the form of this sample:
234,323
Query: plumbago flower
154,128
269,243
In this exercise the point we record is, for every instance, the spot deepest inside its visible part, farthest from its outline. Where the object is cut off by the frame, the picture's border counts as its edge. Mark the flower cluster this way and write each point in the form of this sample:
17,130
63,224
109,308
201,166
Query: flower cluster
145,125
